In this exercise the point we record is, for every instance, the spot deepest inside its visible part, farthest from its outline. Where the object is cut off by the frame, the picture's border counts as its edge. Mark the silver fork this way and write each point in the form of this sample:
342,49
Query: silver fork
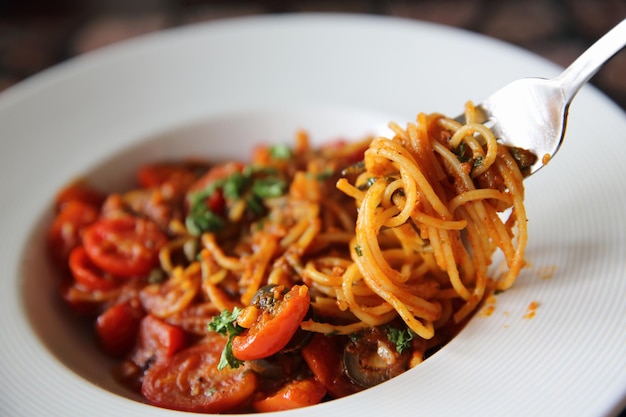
531,113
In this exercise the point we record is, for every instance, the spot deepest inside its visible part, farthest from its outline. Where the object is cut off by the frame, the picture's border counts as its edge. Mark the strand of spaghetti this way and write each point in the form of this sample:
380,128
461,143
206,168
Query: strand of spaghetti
349,189
312,272
257,264
393,152
165,253
373,316
212,275
175,294
411,239
481,213
295,232
370,226
327,328
375,277
447,239
421,145
466,133
332,236
479,194
478,212
410,196
340,213
513,180
455,168
422,218
229,262
394,199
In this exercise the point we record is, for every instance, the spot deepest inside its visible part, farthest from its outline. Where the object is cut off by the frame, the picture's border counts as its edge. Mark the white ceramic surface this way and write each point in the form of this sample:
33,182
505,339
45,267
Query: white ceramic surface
216,89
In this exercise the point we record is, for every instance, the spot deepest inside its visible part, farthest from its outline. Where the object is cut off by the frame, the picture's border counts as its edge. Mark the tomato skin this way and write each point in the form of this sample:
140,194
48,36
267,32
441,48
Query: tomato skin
190,381
156,341
273,329
66,230
125,246
323,357
81,192
117,329
216,202
177,176
87,273
295,394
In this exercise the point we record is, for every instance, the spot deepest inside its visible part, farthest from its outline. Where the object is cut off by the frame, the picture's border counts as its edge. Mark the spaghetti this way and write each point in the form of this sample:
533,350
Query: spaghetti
318,271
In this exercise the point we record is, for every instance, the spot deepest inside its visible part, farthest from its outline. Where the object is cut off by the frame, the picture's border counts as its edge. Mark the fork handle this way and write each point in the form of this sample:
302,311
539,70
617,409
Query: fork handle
587,64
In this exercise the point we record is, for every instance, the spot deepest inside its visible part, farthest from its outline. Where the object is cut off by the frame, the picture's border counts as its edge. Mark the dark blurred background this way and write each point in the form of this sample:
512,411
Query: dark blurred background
36,34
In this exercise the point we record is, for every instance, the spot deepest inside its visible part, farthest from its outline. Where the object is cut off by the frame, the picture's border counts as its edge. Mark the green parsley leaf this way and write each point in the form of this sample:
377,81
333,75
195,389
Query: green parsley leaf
280,151
226,324
255,205
358,250
459,151
234,185
401,338
201,219
478,161
326,174
269,187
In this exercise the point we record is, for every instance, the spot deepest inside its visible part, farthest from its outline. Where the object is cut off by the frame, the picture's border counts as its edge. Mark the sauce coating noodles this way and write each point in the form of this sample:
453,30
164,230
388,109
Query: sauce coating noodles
317,271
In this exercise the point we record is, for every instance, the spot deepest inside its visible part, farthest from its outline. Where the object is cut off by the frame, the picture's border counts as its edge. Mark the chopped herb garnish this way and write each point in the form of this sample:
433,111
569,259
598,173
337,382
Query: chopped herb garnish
234,185
253,184
268,187
202,219
401,338
358,250
478,161
370,181
254,204
280,151
157,275
355,168
226,324
460,152
322,176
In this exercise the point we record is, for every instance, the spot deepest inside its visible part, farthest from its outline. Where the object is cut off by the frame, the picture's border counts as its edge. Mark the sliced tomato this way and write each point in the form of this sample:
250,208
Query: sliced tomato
156,341
87,273
155,175
216,202
324,358
66,229
79,191
117,329
125,246
275,324
190,381
84,301
295,394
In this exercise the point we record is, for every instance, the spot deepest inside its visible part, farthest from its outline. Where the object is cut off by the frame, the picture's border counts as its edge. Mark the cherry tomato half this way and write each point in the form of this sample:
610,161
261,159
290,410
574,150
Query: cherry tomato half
125,246
87,273
156,341
275,324
66,229
190,381
324,358
79,191
296,394
117,329
178,176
